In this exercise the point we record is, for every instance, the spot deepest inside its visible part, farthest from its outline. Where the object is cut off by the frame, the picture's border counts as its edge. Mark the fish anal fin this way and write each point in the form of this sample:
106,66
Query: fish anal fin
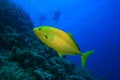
60,54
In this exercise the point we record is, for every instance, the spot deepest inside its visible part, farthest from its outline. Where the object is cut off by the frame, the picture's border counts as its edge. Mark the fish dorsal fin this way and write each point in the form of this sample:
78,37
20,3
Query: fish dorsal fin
70,34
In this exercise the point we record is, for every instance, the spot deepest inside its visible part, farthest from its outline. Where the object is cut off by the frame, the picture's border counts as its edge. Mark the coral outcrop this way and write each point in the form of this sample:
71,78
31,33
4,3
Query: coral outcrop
24,57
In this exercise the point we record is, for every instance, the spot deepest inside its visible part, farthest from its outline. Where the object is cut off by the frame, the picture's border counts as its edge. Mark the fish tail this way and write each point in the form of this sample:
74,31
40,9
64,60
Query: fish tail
84,56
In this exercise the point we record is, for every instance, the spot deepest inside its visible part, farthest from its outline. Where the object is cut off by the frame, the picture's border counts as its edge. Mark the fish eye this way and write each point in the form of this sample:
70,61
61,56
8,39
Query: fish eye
39,29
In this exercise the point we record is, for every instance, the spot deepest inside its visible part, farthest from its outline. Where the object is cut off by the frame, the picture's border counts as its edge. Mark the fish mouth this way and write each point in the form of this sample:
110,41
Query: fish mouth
34,29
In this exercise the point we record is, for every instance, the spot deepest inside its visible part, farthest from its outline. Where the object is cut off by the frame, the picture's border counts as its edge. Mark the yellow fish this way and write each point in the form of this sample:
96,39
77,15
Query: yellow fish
60,41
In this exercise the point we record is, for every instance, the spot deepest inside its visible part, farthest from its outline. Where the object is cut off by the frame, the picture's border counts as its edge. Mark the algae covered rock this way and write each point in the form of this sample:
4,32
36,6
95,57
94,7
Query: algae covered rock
14,25
24,57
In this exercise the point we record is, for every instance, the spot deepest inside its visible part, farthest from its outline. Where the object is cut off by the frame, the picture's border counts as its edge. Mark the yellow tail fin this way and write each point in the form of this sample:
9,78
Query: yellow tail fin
85,56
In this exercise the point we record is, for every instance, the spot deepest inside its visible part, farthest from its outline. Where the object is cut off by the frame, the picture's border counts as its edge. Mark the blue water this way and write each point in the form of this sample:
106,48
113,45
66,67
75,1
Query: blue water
95,25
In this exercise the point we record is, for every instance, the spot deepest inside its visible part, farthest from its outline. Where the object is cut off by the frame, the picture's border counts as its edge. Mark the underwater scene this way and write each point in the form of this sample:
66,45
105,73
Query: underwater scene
59,40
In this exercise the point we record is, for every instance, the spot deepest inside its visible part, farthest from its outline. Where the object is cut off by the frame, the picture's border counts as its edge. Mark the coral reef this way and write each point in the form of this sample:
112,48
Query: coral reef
24,57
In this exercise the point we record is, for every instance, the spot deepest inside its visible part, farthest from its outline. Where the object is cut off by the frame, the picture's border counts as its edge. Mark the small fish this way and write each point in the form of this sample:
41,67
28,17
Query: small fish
60,41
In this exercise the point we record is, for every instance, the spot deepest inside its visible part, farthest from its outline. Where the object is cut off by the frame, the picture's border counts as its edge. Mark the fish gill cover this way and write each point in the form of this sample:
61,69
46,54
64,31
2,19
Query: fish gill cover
24,57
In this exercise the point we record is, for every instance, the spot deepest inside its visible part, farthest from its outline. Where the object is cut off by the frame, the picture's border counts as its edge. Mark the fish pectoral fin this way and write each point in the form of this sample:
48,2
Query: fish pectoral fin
60,54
